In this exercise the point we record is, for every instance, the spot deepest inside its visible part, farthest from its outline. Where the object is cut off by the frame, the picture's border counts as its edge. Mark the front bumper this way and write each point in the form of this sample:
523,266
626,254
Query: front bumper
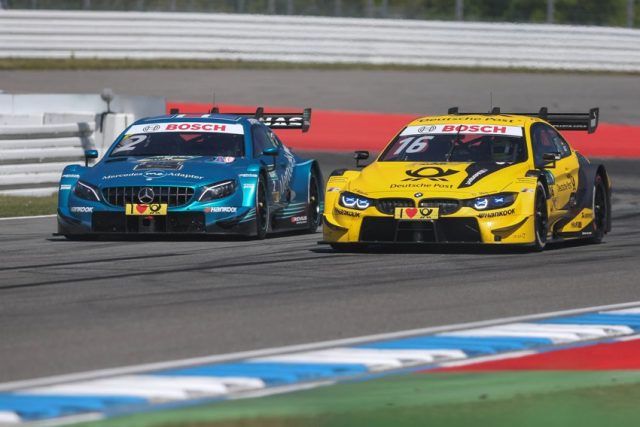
501,226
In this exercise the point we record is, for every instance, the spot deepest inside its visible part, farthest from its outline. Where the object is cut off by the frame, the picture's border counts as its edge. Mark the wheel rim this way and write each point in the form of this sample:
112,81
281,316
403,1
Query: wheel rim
314,206
541,219
599,208
261,207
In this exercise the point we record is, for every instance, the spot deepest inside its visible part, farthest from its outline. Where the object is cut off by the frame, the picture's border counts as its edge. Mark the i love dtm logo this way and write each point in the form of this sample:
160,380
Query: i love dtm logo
432,173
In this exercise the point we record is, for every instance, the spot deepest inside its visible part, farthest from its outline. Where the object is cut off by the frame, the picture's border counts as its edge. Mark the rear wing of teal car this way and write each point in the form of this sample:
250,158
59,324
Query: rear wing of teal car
297,121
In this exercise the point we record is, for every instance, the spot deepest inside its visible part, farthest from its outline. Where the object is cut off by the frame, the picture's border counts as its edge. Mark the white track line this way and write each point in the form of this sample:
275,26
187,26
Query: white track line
40,382
28,217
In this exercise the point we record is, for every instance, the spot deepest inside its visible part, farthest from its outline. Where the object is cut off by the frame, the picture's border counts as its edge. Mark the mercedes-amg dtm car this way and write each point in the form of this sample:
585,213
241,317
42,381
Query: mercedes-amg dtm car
497,178
195,173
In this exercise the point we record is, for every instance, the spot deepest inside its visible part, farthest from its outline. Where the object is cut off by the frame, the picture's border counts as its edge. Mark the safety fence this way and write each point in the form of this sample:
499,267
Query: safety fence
304,39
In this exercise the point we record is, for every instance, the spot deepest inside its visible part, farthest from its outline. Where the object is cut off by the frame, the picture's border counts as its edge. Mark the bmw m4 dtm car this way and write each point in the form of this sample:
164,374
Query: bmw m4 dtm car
497,178
195,173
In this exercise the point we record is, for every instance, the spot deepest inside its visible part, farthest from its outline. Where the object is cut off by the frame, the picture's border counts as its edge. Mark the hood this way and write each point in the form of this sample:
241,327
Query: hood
389,179
163,171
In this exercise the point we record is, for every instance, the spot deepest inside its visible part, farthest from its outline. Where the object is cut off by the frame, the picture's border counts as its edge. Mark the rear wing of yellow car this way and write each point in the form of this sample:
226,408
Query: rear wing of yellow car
300,121
561,121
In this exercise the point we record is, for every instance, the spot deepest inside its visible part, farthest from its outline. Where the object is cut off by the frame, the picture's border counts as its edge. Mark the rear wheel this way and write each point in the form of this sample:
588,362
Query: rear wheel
313,212
600,210
262,209
541,218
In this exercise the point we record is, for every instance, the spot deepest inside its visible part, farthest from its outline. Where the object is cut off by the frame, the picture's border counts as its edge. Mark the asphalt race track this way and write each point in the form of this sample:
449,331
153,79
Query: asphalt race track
74,306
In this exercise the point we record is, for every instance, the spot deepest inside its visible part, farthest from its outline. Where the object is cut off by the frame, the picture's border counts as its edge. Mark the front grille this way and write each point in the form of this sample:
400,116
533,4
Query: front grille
388,206
443,230
173,196
446,206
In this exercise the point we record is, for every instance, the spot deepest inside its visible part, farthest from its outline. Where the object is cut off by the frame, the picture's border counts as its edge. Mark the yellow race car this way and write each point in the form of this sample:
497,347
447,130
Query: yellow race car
497,178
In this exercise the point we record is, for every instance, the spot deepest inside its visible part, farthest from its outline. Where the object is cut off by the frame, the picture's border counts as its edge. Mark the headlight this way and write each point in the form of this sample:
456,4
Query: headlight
218,191
494,201
85,191
354,201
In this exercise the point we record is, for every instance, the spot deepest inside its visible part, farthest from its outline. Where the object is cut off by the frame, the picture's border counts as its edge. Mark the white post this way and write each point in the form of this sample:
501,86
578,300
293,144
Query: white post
550,11
459,10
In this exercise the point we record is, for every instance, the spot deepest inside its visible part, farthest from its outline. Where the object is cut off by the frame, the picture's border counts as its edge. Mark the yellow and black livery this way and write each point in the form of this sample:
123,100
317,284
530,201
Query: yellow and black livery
495,178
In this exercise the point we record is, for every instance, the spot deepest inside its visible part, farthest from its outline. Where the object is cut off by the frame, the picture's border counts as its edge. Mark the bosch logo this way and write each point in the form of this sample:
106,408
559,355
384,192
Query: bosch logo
432,173
146,195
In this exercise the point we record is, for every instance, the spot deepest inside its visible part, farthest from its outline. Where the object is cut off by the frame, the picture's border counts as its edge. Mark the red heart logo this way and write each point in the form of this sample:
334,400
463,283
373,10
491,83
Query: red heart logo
141,208
411,212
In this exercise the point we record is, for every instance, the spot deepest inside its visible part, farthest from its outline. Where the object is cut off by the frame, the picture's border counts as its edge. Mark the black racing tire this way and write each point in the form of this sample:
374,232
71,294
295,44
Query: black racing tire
600,210
262,209
541,218
79,237
313,211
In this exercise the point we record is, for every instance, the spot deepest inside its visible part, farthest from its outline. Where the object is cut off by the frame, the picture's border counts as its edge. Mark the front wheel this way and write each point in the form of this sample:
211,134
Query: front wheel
600,210
262,209
541,218
313,212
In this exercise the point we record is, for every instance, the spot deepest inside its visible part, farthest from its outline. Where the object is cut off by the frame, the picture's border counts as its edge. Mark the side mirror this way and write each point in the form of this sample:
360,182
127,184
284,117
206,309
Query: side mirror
273,152
359,156
550,159
89,154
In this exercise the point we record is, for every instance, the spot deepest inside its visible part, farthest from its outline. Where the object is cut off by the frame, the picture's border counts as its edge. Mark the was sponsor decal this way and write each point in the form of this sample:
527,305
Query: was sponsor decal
81,209
464,128
338,211
153,174
224,159
299,219
65,187
421,185
506,212
187,127
221,209
247,175
432,173
67,175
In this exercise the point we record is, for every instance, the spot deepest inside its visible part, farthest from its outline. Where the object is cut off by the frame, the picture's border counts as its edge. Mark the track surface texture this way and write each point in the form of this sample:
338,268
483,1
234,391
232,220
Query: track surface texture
419,92
74,306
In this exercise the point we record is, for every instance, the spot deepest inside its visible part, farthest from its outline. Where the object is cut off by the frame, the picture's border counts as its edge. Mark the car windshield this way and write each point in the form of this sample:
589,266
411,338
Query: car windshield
457,143
180,144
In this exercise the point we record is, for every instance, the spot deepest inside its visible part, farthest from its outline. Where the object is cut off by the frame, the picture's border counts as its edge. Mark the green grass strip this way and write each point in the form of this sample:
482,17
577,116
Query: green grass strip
181,64
25,206
522,399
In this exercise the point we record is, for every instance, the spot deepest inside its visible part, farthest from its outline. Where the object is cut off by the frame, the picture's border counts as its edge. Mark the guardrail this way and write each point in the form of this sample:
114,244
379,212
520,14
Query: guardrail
156,35
35,146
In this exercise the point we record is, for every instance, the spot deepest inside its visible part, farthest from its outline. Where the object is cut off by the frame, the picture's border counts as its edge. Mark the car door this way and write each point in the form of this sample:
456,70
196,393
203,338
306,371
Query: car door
565,173
277,166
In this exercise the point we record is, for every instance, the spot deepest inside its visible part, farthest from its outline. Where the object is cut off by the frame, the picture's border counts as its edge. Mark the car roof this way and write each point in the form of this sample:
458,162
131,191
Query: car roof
490,119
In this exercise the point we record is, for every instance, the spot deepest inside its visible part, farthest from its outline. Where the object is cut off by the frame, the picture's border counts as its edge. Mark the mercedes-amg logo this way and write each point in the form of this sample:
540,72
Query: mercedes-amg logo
146,195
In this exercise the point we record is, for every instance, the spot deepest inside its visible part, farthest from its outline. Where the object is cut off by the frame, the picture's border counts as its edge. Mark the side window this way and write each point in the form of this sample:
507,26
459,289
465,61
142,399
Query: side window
261,140
543,142
561,145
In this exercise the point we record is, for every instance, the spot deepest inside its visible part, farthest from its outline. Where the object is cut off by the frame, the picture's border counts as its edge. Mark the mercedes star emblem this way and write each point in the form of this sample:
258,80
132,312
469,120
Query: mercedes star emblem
146,195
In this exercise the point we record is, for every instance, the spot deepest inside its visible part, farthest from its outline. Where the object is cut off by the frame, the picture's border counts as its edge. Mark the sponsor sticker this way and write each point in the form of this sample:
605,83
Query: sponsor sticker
416,213
497,214
187,127
247,175
82,209
67,175
338,211
146,209
432,173
153,174
333,190
223,159
248,186
464,129
65,187
221,209
299,219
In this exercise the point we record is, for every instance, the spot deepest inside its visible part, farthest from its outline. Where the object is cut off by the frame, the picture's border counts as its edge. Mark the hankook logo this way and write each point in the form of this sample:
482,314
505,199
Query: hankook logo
432,173
146,195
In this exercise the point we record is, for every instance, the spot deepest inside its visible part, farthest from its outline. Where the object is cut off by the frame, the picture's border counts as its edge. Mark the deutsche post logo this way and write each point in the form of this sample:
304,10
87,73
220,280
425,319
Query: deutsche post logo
432,173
